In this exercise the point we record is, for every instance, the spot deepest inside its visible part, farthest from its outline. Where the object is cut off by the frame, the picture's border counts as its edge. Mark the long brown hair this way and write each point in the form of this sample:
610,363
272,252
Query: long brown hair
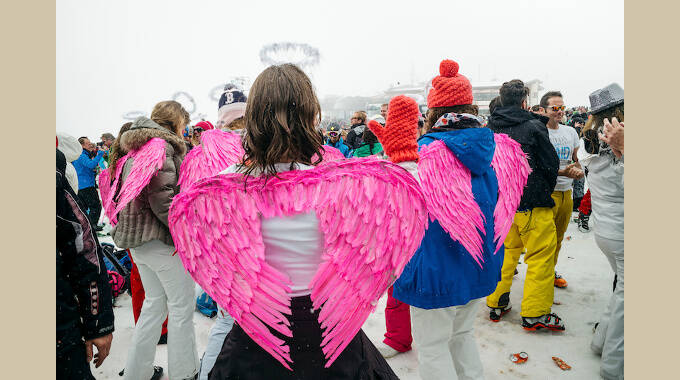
281,116
597,119
171,115
115,152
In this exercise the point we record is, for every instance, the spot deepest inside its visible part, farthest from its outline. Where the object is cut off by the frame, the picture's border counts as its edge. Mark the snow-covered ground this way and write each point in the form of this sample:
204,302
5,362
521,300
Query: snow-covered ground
580,305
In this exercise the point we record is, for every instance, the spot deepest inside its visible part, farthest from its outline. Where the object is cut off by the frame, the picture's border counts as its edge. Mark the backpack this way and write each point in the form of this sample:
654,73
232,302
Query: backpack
117,262
118,283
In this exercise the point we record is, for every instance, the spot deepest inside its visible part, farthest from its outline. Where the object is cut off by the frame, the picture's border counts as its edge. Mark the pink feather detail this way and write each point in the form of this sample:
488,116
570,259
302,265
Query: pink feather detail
218,150
108,187
512,170
447,190
329,153
105,190
110,208
216,228
147,160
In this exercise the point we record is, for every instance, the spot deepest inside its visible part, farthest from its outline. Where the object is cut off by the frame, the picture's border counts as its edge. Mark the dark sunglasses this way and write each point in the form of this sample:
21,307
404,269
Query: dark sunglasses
557,108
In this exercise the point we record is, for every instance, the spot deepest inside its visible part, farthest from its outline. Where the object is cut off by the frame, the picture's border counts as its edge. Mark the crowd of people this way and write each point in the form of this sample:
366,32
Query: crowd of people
494,188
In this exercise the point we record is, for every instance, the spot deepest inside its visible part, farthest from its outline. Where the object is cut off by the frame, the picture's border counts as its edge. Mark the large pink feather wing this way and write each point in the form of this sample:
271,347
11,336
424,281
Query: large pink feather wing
216,227
512,170
218,150
373,218
108,195
446,185
147,160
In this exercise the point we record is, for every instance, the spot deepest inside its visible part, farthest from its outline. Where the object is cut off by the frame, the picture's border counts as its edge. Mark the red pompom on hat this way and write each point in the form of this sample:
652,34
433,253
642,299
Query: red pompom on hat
449,88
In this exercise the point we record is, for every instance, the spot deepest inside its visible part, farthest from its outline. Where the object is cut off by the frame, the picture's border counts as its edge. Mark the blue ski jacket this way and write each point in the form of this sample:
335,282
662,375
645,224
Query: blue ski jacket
442,273
85,168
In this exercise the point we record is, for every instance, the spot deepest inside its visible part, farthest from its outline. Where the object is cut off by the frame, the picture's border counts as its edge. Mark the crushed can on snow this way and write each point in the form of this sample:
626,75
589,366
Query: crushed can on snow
519,358
560,363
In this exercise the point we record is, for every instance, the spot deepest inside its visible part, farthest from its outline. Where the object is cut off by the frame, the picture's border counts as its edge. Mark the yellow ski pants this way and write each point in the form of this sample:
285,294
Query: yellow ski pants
564,206
533,230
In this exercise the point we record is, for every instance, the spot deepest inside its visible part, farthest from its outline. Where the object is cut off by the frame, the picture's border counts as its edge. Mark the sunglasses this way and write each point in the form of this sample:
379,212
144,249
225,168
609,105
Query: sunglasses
557,108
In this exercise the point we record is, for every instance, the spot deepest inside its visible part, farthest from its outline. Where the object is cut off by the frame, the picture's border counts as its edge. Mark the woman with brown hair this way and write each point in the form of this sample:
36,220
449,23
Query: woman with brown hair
282,147
143,228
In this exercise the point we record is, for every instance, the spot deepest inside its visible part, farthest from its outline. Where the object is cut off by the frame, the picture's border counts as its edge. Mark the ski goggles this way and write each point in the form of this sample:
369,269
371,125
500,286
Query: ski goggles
557,108
333,133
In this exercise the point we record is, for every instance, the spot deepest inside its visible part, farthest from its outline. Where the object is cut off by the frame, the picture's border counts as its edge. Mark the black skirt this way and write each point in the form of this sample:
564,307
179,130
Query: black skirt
242,358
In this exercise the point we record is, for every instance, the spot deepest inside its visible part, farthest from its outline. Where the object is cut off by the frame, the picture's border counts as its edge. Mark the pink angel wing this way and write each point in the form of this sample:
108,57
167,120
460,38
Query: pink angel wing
147,160
446,185
215,225
330,153
512,170
218,150
370,234
110,206
105,190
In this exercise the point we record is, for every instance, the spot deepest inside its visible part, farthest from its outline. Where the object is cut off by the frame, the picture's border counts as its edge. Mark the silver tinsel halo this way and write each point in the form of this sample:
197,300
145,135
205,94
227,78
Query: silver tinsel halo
188,102
301,55
132,115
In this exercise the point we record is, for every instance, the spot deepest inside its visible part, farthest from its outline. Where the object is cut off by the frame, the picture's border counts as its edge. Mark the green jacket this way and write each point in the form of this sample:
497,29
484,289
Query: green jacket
365,150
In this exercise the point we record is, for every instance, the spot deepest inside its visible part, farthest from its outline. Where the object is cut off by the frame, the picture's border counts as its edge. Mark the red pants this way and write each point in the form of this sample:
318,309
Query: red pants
398,324
585,206
137,293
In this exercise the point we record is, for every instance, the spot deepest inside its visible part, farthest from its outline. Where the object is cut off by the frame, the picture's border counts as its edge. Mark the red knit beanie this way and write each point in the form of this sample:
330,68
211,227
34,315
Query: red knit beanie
449,88
206,125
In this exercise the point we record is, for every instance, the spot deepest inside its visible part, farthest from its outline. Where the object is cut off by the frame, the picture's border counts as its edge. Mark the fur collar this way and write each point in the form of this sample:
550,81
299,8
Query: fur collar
144,129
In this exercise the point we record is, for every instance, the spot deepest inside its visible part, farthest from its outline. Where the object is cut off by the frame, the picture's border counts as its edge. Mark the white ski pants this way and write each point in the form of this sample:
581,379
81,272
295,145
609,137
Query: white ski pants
218,333
169,292
445,342
608,338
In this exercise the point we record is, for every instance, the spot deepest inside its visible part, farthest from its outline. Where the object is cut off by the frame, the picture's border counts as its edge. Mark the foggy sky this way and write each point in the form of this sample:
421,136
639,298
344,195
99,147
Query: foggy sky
119,56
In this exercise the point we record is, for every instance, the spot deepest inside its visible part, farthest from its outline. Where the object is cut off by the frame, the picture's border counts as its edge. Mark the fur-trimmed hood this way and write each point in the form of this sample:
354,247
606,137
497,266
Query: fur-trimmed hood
144,129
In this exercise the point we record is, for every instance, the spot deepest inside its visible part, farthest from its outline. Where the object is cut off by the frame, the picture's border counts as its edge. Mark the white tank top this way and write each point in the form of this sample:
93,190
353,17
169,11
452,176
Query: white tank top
293,244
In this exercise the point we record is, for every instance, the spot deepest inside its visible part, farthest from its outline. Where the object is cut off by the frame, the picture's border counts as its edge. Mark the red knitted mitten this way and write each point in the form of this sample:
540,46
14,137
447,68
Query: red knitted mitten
398,136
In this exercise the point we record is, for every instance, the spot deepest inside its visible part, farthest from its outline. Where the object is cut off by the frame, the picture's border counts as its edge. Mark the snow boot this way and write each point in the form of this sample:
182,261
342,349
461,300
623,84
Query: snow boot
560,282
548,321
583,222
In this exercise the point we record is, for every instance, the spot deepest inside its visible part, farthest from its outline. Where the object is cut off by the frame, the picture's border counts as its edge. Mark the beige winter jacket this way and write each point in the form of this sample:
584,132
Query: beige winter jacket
146,217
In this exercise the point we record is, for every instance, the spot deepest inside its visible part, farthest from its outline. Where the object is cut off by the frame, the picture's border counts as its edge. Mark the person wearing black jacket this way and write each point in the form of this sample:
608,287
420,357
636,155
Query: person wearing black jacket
84,300
354,140
533,228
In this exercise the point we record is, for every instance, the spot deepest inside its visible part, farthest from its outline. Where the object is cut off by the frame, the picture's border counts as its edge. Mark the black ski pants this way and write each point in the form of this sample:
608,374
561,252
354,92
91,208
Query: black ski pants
90,198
